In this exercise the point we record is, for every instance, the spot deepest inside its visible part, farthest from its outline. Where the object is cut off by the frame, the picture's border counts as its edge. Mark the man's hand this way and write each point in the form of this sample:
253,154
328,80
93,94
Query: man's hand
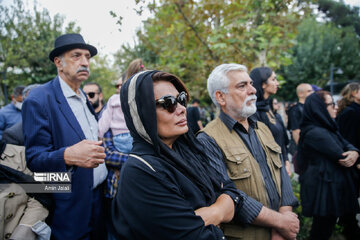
288,168
350,158
289,225
87,154
209,215
285,222
221,211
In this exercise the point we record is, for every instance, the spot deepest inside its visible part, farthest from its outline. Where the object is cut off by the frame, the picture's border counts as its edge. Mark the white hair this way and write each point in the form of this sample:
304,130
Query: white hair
63,63
218,80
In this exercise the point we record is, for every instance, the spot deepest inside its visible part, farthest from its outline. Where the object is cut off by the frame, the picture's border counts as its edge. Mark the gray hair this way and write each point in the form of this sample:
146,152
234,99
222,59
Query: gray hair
63,63
218,80
27,90
18,90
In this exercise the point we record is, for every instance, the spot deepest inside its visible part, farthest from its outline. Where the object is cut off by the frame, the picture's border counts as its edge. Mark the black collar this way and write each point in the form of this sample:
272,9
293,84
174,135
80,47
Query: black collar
231,123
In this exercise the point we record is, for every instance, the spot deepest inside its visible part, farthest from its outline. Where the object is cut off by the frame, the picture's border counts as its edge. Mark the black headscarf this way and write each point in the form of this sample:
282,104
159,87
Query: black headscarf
187,155
259,76
316,113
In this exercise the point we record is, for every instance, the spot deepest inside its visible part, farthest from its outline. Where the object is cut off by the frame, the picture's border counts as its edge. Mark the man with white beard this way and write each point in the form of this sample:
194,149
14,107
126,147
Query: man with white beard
252,159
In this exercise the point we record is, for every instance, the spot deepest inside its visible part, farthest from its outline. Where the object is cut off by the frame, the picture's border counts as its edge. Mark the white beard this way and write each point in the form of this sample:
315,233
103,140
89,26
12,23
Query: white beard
246,111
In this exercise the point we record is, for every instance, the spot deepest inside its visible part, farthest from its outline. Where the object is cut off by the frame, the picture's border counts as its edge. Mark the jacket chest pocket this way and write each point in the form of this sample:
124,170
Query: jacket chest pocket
274,151
238,163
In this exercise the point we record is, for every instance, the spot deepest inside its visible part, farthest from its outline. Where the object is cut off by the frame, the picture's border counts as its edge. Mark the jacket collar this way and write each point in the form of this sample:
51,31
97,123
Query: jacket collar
65,108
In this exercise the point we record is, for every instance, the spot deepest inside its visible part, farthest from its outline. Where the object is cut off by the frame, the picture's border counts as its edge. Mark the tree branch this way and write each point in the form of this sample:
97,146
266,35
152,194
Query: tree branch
212,55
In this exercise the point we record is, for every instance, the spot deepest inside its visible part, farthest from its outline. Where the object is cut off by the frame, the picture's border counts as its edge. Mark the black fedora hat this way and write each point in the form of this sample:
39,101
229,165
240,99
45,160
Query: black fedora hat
68,42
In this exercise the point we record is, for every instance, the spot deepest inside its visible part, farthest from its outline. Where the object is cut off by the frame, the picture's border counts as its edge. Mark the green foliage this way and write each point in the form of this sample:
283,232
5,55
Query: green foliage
189,38
305,222
126,54
102,74
320,46
26,39
341,14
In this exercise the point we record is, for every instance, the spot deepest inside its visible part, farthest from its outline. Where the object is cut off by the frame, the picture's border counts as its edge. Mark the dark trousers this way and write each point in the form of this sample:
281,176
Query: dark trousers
108,221
323,227
98,231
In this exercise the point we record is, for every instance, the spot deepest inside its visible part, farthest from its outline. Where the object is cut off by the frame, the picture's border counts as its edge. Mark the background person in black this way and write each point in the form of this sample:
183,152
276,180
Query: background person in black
330,181
193,116
274,106
266,85
295,114
349,114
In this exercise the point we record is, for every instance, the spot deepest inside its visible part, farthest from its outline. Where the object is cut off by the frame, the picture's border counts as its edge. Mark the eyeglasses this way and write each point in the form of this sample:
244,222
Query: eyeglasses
91,94
330,104
169,102
118,85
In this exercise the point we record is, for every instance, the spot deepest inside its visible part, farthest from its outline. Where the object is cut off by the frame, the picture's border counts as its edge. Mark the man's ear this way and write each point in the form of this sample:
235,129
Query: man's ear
101,96
220,98
58,63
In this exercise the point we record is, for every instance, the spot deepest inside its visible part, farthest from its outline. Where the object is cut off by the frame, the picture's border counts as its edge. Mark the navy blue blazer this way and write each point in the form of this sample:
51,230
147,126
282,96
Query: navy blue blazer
49,126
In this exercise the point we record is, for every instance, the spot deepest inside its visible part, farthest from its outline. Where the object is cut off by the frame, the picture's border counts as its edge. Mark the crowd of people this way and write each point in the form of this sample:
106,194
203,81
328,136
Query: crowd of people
143,165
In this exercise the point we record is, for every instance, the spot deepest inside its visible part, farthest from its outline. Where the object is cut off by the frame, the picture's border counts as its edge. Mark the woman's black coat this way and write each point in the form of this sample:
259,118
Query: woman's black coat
349,123
327,188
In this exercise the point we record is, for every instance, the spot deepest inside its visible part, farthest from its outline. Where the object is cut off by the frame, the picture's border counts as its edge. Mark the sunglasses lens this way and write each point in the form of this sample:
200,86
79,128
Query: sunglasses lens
91,94
170,104
182,99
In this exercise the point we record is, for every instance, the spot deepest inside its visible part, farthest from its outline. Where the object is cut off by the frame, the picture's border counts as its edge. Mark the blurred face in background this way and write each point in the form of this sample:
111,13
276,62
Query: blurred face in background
330,106
93,94
118,85
270,86
275,105
356,96
308,90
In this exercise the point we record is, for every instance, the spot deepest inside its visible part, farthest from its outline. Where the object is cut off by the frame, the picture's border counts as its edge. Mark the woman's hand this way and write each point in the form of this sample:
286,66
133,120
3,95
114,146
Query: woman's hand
221,211
350,158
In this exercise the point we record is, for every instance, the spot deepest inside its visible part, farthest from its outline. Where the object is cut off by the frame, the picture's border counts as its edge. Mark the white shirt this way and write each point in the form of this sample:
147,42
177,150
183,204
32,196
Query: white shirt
87,122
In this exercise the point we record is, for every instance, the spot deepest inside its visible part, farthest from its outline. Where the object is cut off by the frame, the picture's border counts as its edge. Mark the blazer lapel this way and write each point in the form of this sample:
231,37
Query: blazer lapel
65,109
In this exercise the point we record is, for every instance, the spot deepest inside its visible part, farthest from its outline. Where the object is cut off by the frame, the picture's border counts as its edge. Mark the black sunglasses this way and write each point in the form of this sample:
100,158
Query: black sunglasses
169,102
331,104
91,94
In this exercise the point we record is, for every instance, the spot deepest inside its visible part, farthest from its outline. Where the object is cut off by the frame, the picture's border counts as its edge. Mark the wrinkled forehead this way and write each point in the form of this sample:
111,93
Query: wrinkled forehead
238,77
90,88
78,51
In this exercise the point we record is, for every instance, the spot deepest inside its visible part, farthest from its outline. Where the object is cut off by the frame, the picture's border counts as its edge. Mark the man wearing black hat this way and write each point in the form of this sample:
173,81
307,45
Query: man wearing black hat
60,132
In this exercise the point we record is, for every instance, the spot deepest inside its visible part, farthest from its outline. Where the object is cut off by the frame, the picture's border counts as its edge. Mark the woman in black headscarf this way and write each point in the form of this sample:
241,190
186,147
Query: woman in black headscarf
329,183
266,85
168,188
348,117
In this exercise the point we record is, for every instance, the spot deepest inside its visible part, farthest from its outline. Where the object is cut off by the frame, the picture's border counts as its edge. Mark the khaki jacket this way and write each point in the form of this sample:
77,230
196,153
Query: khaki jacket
16,207
245,171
